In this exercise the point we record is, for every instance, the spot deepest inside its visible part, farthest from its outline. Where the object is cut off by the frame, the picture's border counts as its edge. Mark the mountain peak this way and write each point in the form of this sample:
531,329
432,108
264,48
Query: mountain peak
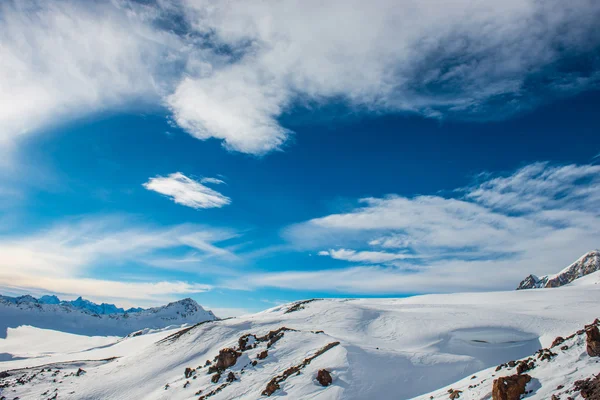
585,265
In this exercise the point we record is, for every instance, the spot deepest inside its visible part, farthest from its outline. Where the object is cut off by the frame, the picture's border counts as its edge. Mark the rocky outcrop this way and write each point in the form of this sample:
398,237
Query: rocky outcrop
588,388
262,355
587,264
324,377
273,384
593,340
227,358
510,387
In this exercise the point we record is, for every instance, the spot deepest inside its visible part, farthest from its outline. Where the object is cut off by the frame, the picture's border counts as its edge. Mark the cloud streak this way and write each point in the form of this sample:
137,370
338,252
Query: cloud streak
187,192
66,258
489,236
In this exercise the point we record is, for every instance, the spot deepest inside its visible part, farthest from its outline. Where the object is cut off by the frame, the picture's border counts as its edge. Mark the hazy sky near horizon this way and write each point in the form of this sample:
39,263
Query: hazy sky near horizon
248,153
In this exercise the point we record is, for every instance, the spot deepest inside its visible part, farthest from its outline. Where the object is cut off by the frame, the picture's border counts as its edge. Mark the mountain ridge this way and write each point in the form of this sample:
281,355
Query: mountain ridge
79,303
585,265
79,317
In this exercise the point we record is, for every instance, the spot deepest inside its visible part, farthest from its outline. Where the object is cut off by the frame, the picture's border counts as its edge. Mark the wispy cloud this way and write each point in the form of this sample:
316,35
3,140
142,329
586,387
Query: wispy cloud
537,220
371,257
186,191
230,69
214,181
63,258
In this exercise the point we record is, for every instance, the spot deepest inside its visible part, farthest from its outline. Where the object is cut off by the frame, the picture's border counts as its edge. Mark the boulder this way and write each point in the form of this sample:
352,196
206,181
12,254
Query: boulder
324,377
593,340
510,387
231,377
557,341
271,388
215,378
262,355
227,358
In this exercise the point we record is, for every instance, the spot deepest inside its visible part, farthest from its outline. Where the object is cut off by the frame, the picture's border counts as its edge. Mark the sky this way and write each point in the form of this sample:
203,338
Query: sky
250,153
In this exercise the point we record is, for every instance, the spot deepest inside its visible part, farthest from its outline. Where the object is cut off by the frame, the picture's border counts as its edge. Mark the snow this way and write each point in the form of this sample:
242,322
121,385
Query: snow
65,318
389,348
567,367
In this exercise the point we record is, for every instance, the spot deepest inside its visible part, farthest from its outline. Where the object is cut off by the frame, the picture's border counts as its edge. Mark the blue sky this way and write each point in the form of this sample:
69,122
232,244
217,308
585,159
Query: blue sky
221,154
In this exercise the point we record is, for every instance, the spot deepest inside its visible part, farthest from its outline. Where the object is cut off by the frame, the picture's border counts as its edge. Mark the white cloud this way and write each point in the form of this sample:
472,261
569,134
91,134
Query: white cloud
371,257
408,56
65,59
187,192
537,220
214,181
228,70
68,258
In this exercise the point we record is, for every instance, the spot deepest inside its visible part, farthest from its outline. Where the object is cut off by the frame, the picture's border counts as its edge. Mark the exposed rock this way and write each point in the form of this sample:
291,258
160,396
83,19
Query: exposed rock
299,305
455,394
589,388
262,355
593,340
587,264
80,372
188,372
231,377
524,366
207,363
271,388
273,384
510,387
254,363
186,384
246,342
215,378
227,358
557,341
324,377
4,374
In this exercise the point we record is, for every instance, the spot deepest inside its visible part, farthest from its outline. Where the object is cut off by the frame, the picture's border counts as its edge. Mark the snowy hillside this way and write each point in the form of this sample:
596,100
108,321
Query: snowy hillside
369,348
565,369
587,264
65,317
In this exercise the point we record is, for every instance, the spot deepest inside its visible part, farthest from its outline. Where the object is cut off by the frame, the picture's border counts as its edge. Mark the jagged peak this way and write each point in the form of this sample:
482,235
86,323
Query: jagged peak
586,264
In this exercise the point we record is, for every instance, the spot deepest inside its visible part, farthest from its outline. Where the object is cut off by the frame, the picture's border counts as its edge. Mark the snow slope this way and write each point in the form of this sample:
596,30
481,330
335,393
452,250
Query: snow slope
388,349
66,318
567,364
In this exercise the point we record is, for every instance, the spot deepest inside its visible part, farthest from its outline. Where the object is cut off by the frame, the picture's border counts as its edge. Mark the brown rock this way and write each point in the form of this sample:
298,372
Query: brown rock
271,388
227,358
324,377
215,378
593,340
188,372
557,341
231,377
589,388
262,355
510,387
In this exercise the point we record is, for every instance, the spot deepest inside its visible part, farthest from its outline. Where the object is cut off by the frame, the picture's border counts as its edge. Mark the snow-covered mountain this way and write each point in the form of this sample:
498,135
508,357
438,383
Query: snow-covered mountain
587,264
79,316
79,303
318,349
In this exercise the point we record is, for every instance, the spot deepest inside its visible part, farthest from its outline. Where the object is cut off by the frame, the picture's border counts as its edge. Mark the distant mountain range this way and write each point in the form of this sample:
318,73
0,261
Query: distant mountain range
585,265
85,317
80,304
